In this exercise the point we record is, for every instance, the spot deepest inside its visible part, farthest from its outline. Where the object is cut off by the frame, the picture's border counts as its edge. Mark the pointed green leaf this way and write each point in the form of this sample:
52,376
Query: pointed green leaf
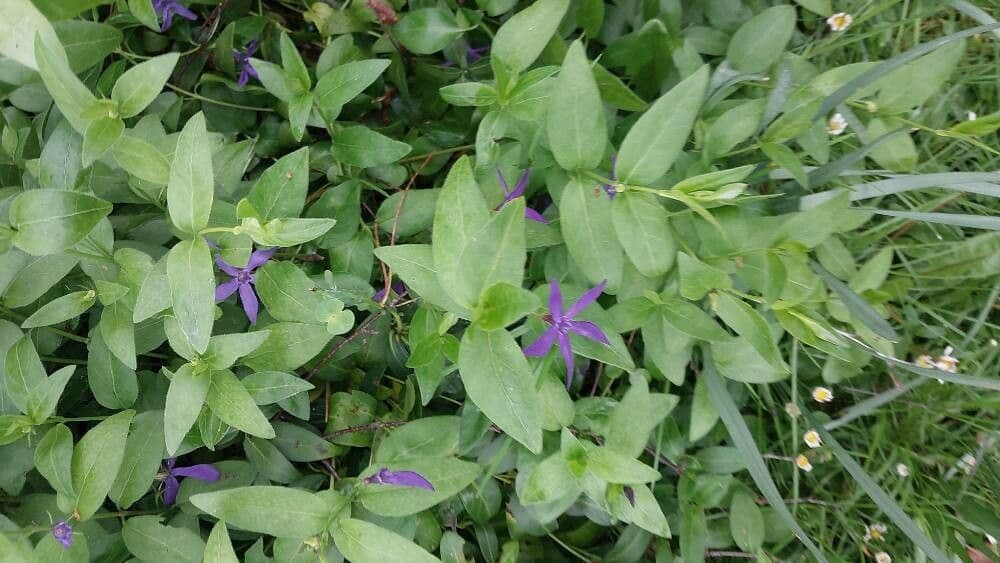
185,398
231,402
50,221
96,459
190,188
576,128
192,290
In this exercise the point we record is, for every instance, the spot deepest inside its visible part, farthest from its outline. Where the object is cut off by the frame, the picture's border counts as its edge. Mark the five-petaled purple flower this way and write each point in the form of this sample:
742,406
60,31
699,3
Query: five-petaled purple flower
63,533
561,324
386,476
166,10
242,279
518,191
608,188
203,472
397,289
247,71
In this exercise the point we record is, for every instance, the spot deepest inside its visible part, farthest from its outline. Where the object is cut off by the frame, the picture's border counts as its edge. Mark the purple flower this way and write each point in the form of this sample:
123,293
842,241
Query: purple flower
516,193
473,55
247,71
203,472
561,324
386,476
166,10
397,288
242,279
63,533
608,188
629,495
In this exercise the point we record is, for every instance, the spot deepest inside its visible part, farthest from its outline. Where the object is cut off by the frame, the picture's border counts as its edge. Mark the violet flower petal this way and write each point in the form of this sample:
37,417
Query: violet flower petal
183,11
226,267
225,289
503,184
259,257
542,346
555,301
63,533
168,16
588,329
251,306
170,488
521,184
244,78
385,476
203,472
567,354
587,298
534,215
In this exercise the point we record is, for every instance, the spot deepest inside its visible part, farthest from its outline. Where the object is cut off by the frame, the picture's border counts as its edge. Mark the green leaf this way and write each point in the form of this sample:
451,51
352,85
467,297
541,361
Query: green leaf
759,42
113,384
698,278
86,43
64,9
414,264
267,387
192,290
50,221
749,324
70,94
364,542
587,226
277,511
550,481
343,83
615,92
469,94
636,415
522,38
285,232
856,304
23,372
154,293
291,61
268,461
143,453
64,308
231,402
704,415
185,397
957,219
149,540
614,467
656,139
288,346
427,30
747,522
43,398
646,513
223,350
500,382
692,320
503,304
141,159
740,435
138,86
118,332
737,359
53,457
219,548
575,124
448,475
49,549
144,12
360,146
281,190
641,224
96,459
879,496
430,437
473,251
190,188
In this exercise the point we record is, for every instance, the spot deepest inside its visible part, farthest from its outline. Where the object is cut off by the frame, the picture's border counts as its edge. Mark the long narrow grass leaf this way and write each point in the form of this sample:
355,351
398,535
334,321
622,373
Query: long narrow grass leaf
869,405
856,304
992,384
975,13
743,441
976,182
957,219
881,498
842,94
831,170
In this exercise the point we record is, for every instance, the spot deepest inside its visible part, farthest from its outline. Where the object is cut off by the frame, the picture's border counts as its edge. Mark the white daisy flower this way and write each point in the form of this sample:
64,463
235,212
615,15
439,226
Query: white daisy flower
812,439
822,395
971,115
882,557
902,470
836,125
947,362
802,462
840,21
875,532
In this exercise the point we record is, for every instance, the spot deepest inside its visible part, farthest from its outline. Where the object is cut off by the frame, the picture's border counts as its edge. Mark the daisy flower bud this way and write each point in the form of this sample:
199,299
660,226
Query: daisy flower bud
812,439
822,395
836,125
882,557
802,462
840,21
875,532
902,470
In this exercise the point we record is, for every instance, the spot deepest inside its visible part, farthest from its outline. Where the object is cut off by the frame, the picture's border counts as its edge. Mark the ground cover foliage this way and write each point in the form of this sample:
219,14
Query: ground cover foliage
498,280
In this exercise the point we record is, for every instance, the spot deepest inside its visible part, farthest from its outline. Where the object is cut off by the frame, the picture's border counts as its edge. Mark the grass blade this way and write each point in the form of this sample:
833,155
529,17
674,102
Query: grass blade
976,182
831,170
975,13
869,405
957,219
856,304
743,441
847,90
881,498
